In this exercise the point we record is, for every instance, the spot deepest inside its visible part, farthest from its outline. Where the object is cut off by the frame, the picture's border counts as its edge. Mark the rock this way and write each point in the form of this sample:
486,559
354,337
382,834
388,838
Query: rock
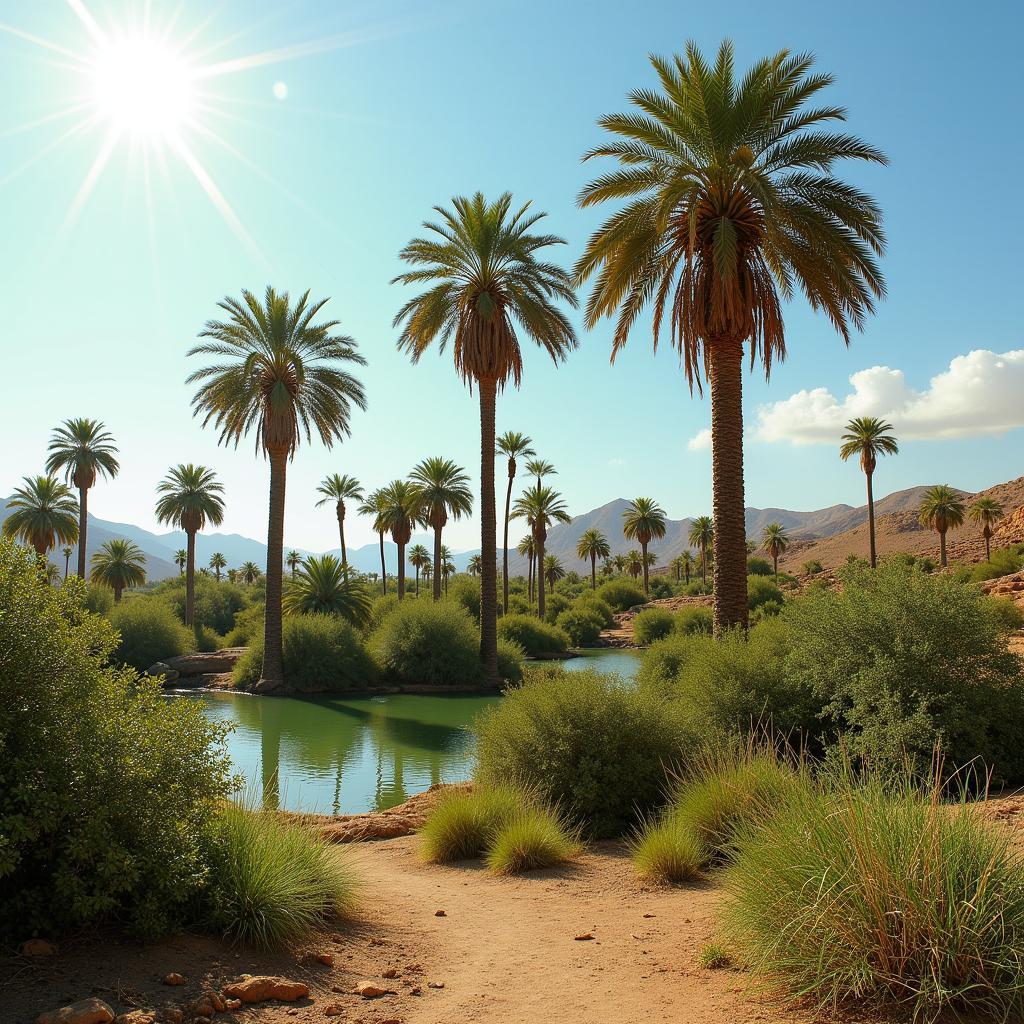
232,1004
215,1000
440,913
416,991
162,671
334,1010
584,937
174,1016
259,988
203,1008
202,1020
391,972
174,979
37,947
435,984
202,663
368,990
327,959
85,1011
136,1017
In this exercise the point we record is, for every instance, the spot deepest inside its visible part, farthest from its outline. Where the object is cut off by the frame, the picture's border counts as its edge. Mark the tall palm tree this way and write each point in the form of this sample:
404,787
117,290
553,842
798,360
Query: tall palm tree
553,571
634,563
118,564
540,469
418,557
732,206
280,375
249,571
190,497
293,560
702,535
42,513
987,512
513,446
447,566
373,505
941,508
688,564
443,491
322,586
474,567
66,552
428,570
593,545
527,547
232,575
643,520
401,510
484,277
619,561
340,488
775,540
540,507
84,449
868,437
181,559
218,563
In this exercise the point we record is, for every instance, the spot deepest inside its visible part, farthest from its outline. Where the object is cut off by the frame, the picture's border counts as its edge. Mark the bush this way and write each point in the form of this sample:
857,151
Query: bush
1003,562
713,957
760,590
759,567
697,618
582,627
590,602
216,605
660,587
554,605
205,639
272,881
698,589
620,595
107,789
463,824
811,567
381,608
534,838
584,743
248,626
535,637
901,659
652,624
320,653
884,897
510,661
149,632
97,599
667,851
465,591
518,605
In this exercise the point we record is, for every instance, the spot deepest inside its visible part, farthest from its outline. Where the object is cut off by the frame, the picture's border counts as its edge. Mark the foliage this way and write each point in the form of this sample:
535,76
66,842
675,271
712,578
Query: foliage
464,823
510,661
321,585
554,606
118,564
381,608
667,851
590,602
42,513
661,587
248,626
96,598
217,605
1003,562
149,632
581,625
651,625
811,567
466,591
535,837
584,743
758,567
696,618
321,653
620,595
713,957
534,636
761,590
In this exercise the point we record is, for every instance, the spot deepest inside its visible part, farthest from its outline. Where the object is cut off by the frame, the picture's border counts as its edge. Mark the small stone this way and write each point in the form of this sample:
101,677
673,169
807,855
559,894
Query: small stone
174,979
584,937
334,1010
203,1008
260,988
327,959
230,1005
291,1011
648,915
435,984
391,972
136,1017
416,991
85,1011
368,990
215,999
174,1016
440,913
38,947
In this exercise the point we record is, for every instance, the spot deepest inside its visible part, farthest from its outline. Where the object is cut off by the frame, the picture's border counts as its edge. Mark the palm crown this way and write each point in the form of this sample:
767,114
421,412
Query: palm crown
987,512
118,564
190,497
513,445
942,508
443,488
593,544
322,585
540,469
868,437
540,507
85,450
643,520
339,488
43,512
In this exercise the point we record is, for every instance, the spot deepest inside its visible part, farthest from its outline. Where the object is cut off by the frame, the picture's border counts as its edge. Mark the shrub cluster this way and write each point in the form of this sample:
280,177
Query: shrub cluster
652,624
535,637
148,631
620,595
582,625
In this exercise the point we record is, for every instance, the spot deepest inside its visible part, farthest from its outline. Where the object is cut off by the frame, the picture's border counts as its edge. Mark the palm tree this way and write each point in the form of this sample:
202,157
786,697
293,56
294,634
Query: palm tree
281,376
484,275
731,208
401,510
868,437
84,450
340,488
987,512
540,469
643,520
249,571
418,557
775,541
428,569
619,561
118,564
443,491
527,547
218,563
180,559
553,571
512,445
190,497
540,506
593,545
688,564
607,567
373,505
941,508
51,574
232,575
66,552
634,564
42,513
293,560
447,566
474,568
322,586
702,535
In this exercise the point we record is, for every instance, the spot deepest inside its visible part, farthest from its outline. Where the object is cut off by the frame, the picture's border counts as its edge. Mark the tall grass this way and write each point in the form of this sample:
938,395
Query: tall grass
668,851
463,824
536,837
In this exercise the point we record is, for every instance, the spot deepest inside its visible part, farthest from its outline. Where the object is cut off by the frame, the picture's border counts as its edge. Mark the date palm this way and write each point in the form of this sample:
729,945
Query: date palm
444,492
249,572
553,571
42,513
66,552
322,586
688,563
373,506
634,563
474,566
339,488
702,535
868,437
447,566
401,510
84,450
593,545
218,563
180,559
280,376
486,281
118,564
513,446
942,507
418,558
527,547
541,507
190,497
731,207
775,540
643,520
293,560
619,561
987,512
540,469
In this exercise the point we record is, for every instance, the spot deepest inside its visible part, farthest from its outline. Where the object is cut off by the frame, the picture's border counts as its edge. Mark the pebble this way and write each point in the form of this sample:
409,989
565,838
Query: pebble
327,959
435,984
440,913
368,990
584,937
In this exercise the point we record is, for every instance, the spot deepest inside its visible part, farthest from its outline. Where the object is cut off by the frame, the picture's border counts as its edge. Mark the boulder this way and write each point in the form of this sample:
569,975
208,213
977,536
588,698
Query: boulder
259,988
205,663
85,1011
162,671
174,978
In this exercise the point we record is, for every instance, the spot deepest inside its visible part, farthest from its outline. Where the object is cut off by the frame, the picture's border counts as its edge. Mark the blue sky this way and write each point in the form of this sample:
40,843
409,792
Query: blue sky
409,103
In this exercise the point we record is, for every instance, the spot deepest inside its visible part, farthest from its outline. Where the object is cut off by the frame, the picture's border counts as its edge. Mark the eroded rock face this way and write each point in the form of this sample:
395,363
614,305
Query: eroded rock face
259,988
85,1011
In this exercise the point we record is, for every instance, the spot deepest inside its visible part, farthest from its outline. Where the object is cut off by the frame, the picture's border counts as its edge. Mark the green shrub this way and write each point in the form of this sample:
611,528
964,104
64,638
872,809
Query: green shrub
272,882
583,742
107,788
590,602
713,957
698,589
149,632
463,824
554,605
651,625
534,838
428,643
1003,562
760,590
660,587
620,595
205,639
581,626
901,659
518,605
248,626
697,618
216,605
510,661
667,851
811,567
1008,612
890,898
535,637
97,599
759,567
381,608
465,591
320,653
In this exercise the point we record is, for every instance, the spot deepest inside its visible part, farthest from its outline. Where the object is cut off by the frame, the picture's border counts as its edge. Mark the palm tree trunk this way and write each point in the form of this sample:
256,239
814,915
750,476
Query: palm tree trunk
686,570
190,576
942,548
775,567
504,556
729,542
437,563
540,577
704,562
529,578
871,521
272,676
83,527
988,548
341,533
488,543
401,570
417,581
593,571
117,595
643,552
383,566
67,563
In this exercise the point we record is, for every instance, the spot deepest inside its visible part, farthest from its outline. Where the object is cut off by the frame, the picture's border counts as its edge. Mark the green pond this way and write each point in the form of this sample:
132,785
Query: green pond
334,755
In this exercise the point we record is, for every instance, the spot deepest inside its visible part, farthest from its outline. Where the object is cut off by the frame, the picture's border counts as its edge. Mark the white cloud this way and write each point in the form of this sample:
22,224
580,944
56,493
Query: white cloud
616,462
701,441
981,393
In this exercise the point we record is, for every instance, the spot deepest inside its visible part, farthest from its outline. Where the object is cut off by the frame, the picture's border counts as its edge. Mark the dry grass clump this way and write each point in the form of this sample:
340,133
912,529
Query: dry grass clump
536,837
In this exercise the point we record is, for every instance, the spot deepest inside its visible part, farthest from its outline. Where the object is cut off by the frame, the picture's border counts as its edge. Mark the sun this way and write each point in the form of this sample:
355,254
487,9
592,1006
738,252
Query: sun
143,86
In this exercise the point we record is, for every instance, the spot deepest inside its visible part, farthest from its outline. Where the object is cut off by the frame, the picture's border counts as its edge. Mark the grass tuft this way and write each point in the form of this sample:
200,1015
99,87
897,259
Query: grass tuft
713,957
535,838
668,851
462,824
